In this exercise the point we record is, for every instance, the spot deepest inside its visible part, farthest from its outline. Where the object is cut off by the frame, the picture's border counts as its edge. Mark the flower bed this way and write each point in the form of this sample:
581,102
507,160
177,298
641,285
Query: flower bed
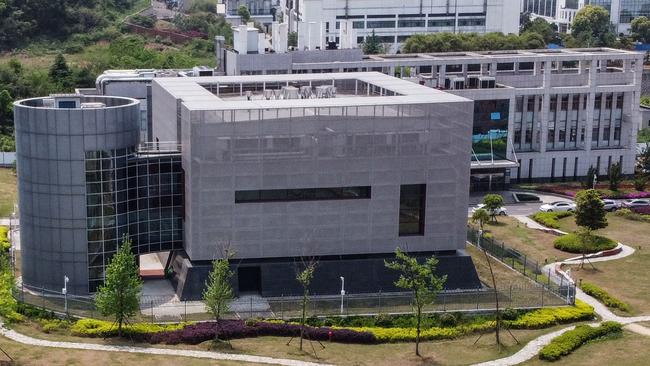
550,219
625,190
548,317
234,329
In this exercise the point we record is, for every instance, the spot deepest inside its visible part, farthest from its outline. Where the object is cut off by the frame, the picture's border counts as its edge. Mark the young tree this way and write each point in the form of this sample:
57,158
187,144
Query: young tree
590,215
372,45
244,14
304,277
615,176
643,161
588,182
492,204
218,292
480,217
547,30
421,280
119,294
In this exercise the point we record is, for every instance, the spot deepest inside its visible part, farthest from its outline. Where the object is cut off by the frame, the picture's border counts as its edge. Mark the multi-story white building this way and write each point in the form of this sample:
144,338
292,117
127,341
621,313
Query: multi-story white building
394,22
538,114
562,12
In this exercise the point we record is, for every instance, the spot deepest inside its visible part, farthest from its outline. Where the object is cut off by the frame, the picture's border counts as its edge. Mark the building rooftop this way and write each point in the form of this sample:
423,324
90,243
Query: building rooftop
248,92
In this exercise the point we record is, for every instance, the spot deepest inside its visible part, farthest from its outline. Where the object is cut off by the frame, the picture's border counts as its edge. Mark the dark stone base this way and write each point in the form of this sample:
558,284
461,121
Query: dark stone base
363,274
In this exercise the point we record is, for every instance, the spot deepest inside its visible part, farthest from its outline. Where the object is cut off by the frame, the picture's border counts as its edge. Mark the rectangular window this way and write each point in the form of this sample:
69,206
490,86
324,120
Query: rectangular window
412,201
410,23
304,194
441,23
371,24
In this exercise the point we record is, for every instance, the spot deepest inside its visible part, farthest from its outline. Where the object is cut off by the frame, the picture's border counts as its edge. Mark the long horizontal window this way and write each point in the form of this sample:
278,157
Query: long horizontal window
304,194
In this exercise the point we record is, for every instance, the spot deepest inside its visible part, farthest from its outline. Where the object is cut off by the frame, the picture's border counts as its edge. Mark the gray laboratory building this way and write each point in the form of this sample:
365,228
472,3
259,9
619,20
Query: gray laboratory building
277,169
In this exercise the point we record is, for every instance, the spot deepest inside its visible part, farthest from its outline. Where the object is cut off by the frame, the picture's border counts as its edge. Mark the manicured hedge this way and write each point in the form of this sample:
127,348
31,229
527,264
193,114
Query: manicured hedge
548,317
571,243
390,335
233,329
138,331
571,340
550,219
602,296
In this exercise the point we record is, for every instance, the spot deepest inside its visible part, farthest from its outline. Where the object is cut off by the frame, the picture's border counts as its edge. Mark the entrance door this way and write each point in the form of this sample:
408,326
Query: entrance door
249,279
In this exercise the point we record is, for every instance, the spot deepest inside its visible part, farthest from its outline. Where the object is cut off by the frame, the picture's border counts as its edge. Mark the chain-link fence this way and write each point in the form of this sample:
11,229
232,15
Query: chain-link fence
523,264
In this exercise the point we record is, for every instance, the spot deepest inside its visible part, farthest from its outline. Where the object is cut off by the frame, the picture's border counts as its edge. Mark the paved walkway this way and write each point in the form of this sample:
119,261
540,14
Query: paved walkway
21,338
533,347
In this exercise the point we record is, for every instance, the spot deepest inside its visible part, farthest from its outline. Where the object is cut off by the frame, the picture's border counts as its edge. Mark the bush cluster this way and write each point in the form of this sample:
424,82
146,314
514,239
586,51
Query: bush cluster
547,317
234,329
449,319
571,340
52,325
602,296
5,244
138,331
550,219
572,243
626,213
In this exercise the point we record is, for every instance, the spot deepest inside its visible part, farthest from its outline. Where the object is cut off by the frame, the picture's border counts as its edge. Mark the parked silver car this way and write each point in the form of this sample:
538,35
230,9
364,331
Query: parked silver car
558,206
501,211
636,202
611,205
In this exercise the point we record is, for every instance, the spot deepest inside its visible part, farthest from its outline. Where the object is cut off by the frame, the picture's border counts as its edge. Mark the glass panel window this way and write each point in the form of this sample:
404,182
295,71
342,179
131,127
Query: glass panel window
412,201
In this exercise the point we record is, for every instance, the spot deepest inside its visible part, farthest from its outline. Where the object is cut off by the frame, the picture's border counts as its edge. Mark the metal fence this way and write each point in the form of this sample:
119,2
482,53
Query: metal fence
523,264
161,309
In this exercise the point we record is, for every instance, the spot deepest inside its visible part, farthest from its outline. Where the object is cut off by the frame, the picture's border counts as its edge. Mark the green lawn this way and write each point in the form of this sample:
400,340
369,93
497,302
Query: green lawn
8,192
535,244
626,278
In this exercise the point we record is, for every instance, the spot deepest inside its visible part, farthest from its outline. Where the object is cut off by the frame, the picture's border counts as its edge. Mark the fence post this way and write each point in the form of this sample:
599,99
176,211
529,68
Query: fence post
542,296
502,251
43,296
151,311
379,301
444,301
251,309
549,278
525,265
185,303
22,291
282,306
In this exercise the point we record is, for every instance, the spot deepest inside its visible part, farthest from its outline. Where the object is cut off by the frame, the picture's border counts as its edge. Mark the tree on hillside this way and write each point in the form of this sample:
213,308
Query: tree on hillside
640,29
492,204
119,295
615,176
60,73
6,111
304,277
421,280
480,217
372,45
590,215
643,161
244,14
524,21
218,292
591,25
592,175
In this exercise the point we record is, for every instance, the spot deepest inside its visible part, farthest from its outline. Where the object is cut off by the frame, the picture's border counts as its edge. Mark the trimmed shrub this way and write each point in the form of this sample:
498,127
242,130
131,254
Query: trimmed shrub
391,335
234,329
573,339
572,243
547,317
626,213
550,219
5,244
52,325
602,296
138,331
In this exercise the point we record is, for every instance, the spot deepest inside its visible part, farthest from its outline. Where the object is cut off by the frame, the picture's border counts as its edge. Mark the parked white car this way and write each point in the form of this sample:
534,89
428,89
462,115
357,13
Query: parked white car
501,211
636,202
558,206
611,205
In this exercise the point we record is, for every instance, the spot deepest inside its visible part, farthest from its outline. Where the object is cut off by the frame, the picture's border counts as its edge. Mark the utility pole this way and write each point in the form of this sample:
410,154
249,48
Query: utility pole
65,293
342,292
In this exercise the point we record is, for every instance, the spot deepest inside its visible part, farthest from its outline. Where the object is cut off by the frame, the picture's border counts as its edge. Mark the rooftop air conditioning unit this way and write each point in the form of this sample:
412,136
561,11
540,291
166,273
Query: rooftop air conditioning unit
487,82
